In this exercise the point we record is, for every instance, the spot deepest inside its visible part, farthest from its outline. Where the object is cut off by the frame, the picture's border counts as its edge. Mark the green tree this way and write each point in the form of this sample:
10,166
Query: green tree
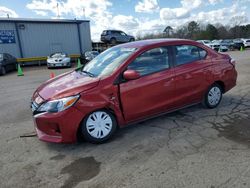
168,30
193,29
212,32
223,32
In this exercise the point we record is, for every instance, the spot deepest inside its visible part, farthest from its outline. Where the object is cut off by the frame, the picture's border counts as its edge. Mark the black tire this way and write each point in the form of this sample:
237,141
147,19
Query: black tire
85,132
132,40
3,71
211,101
69,65
113,41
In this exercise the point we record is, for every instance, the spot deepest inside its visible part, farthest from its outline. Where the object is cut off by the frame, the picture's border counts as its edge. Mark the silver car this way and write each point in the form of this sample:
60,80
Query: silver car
58,59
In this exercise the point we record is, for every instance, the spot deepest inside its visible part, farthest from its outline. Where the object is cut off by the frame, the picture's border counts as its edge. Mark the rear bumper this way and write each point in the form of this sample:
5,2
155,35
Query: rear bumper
58,127
231,80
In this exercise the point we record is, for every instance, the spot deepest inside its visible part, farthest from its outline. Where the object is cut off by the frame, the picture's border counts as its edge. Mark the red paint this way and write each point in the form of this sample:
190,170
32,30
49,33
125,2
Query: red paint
138,98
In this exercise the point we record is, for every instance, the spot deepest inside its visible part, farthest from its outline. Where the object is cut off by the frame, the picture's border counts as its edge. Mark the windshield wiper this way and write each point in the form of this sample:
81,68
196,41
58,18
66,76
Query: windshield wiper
88,73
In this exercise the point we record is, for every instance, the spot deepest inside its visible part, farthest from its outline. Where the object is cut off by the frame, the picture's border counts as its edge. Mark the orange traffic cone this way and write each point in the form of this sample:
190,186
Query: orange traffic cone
52,75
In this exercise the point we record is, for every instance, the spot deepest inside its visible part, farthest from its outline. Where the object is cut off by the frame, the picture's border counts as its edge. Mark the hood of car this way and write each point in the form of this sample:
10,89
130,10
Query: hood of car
68,84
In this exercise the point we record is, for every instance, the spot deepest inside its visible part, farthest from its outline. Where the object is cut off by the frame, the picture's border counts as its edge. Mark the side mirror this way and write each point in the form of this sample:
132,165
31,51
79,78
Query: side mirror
131,75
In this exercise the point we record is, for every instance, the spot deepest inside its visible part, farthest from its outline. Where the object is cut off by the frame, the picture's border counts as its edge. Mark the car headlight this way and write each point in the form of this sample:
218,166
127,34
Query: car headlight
58,105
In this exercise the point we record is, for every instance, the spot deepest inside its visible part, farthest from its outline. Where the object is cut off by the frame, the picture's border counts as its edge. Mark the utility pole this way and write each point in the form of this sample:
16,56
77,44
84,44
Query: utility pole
58,15
83,9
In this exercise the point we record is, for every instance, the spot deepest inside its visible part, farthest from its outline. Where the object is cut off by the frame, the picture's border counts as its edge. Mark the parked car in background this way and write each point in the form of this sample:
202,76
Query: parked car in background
129,83
7,63
215,45
223,48
205,42
115,36
88,56
58,59
227,43
246,42
238,44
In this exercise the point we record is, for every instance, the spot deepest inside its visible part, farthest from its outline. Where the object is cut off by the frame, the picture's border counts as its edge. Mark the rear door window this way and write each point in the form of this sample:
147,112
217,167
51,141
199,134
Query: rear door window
185,54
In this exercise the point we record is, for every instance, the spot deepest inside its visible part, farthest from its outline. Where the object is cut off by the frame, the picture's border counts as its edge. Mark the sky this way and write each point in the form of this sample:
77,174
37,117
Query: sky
135,17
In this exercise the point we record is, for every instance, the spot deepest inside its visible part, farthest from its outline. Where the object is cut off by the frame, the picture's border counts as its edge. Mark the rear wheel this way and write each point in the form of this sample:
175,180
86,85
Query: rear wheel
3,71
113,41
98,126
131,40
213,96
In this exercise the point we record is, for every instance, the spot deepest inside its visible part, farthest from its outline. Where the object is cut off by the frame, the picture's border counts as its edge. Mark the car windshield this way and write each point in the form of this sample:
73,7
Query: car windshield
57,55
104,32
106,63
206,41
1,56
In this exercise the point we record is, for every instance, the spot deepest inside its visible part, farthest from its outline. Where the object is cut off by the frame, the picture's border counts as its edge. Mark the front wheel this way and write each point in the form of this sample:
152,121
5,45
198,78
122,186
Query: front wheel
132,40
213,96
98,126
3,71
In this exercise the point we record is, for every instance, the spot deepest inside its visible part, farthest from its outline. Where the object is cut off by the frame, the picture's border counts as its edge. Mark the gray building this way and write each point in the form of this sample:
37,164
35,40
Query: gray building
24,38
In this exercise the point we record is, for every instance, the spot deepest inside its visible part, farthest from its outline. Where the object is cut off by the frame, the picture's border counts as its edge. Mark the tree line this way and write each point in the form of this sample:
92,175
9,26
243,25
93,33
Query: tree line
195,31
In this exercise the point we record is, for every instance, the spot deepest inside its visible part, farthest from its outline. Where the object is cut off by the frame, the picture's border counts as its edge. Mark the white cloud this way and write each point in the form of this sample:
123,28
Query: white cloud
76,8
223,16
191,4
41,13
175,13
147,6
186,13
125,22
96,11
4,12
182,12
101,18
213,2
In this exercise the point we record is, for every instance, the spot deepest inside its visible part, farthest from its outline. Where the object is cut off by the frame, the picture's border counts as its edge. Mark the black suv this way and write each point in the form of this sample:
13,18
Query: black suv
115,36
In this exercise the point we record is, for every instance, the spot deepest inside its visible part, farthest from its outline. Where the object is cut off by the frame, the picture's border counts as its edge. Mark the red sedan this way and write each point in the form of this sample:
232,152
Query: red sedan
129,83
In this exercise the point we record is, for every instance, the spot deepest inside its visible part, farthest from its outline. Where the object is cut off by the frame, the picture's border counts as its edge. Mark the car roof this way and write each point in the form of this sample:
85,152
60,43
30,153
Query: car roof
112,30
153,42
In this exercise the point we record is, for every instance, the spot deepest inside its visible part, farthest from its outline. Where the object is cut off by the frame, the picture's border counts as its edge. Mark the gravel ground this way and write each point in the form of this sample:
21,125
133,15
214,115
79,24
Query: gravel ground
193,147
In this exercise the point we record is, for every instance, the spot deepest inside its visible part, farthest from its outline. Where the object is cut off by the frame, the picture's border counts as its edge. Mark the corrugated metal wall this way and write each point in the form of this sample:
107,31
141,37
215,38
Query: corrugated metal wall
13,47
85,36
42,39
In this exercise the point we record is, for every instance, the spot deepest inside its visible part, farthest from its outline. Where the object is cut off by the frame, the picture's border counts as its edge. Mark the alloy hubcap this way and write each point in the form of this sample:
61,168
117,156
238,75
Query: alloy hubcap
99,124
214,96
